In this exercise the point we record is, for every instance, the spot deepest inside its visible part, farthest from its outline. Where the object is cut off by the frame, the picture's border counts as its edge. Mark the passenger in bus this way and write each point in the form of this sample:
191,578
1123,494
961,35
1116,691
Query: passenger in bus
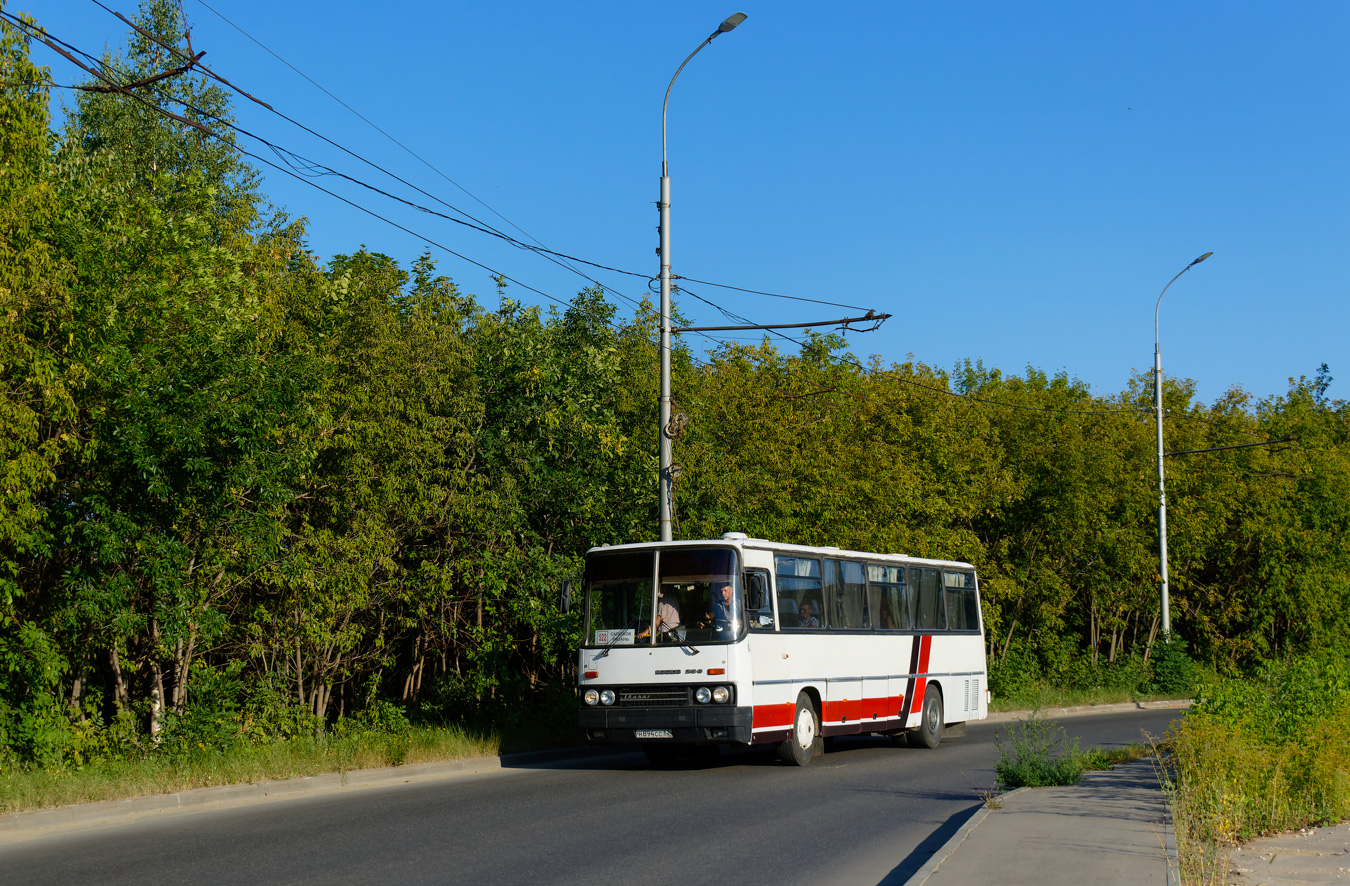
806,615
667,618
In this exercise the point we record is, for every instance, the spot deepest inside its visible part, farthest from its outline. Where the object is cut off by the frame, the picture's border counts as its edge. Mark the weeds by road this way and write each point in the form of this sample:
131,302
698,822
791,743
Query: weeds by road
28,789
1258,757
1038,753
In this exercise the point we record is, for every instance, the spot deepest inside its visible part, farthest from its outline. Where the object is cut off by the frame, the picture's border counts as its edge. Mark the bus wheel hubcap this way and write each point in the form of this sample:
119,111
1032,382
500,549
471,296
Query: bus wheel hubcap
806,728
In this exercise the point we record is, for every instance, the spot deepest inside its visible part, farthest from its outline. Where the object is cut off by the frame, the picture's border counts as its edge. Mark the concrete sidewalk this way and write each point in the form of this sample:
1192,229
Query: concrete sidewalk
1111,828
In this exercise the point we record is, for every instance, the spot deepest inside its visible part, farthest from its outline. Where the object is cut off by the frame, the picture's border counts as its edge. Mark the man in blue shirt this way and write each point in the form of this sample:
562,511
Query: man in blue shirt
724,612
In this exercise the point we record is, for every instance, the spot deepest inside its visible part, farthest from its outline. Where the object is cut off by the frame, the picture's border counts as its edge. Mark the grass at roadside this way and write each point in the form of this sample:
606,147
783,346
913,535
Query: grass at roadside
28,789
1038,753
1040,697
1259,757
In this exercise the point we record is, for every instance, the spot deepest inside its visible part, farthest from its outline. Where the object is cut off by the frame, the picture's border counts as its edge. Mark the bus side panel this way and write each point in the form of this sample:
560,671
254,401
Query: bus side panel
959,659
843,695
781,672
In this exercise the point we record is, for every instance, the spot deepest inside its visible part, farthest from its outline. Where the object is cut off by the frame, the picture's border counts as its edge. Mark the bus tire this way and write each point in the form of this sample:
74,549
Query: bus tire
929,731
802,744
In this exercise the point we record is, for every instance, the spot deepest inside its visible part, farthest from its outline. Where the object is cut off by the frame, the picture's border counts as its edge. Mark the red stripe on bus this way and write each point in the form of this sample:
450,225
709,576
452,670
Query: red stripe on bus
771,716
916,700
779,716
917,704
845,709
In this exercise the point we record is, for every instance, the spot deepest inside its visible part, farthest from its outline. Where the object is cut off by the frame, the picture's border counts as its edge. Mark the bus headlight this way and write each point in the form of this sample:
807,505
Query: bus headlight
721,694
607,696
702,695
590,697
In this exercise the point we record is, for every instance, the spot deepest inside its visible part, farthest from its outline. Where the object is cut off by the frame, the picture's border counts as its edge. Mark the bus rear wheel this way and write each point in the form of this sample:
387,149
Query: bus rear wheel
805,740
929,731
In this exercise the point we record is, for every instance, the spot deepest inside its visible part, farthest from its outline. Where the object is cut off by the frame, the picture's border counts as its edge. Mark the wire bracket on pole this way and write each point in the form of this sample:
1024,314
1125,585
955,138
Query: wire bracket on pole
678,422
870,317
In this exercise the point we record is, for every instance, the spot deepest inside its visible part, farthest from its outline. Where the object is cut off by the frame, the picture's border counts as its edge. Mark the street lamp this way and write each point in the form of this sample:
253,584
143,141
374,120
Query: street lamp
1162,479
664,452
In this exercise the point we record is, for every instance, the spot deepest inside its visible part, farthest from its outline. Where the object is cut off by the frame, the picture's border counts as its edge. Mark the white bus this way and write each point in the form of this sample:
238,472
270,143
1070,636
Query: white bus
747,642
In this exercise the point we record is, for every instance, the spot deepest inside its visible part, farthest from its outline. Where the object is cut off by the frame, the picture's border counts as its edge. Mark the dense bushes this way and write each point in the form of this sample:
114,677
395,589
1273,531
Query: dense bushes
1263,755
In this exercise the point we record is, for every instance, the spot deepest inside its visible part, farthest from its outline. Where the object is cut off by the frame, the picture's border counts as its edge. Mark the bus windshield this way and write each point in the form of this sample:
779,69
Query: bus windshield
699,599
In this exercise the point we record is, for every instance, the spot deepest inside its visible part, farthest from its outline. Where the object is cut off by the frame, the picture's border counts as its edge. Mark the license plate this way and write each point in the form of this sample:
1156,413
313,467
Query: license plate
653,733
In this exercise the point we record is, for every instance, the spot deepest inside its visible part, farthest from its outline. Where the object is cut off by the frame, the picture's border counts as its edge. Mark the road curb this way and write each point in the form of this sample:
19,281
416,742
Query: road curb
937,858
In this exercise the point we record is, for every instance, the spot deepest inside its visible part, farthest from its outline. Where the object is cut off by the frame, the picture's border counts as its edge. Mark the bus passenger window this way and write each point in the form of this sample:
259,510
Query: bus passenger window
799,591
963,607
845,594
892,596
929,613
952,597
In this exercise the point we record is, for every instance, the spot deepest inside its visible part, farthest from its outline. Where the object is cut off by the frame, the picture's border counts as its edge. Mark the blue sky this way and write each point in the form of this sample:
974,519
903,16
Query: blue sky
1015,184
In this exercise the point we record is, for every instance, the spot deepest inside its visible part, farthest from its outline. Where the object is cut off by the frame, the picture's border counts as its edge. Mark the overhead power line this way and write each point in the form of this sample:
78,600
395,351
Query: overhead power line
67,51
560,258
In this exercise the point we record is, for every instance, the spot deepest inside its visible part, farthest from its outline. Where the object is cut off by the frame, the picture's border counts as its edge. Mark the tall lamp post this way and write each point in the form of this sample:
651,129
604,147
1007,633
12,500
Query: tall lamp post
664,452
1162,477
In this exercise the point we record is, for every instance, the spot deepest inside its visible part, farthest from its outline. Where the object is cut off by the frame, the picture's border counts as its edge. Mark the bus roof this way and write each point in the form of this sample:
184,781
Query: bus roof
737,540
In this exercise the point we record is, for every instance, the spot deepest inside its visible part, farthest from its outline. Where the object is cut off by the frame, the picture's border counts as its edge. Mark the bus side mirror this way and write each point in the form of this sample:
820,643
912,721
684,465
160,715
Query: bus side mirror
758,591
565,597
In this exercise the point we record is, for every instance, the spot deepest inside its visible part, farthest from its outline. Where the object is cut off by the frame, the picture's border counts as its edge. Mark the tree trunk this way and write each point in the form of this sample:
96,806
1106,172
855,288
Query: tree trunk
1007,641
299,674
182,667
1152,635
77,688
157,689
156,704
119,687
1094,630
321,694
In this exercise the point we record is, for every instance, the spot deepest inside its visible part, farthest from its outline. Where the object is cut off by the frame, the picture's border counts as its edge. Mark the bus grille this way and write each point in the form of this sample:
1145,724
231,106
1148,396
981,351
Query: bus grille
654,697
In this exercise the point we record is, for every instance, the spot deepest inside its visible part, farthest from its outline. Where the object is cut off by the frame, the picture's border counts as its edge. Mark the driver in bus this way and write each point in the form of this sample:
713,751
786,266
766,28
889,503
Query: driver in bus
721,616
667,617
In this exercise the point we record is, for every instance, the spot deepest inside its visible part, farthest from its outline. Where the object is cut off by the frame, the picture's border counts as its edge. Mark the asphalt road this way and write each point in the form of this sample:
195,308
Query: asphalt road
867,812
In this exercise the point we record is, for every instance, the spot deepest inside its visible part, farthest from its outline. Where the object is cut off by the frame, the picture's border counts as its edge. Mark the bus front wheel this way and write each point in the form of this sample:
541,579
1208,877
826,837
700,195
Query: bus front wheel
929,731
805,741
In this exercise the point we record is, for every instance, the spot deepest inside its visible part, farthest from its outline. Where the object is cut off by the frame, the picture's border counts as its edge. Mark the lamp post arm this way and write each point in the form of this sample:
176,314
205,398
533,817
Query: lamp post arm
1156,348
666,100
1158,307
731,22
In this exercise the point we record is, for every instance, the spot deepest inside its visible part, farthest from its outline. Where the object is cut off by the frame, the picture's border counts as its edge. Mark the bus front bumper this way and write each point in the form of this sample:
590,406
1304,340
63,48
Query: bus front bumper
693,725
